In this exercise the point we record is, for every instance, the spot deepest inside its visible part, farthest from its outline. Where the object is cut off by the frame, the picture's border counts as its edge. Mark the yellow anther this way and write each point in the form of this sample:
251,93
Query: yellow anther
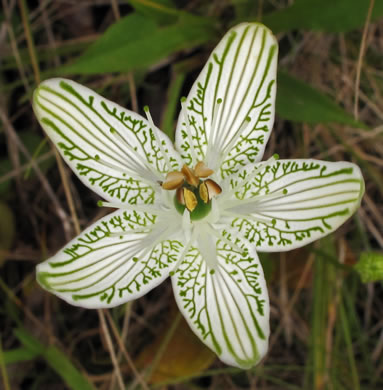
190,177
203,192
173,180
212,187
201,170
190,200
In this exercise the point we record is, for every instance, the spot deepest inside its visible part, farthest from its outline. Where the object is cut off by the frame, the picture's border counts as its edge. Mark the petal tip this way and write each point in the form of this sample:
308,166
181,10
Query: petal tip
41,278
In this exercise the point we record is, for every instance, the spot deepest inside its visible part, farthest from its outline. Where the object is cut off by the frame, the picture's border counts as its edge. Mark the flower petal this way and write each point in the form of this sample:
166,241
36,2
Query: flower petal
230,108
290,203
119,258
114,151
226,306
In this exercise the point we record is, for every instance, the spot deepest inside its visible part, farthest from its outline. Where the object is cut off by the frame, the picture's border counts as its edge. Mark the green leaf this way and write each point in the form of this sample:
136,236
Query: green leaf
245,9
162,11
136,42
56,359
298,101
370,267
18,355
322,15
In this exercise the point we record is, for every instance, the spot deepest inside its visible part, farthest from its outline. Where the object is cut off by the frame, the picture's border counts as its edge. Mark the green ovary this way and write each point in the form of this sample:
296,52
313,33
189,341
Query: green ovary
202,209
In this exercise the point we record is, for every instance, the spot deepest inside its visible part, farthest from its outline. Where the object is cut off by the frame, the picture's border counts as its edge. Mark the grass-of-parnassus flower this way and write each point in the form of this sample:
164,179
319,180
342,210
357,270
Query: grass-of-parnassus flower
197,211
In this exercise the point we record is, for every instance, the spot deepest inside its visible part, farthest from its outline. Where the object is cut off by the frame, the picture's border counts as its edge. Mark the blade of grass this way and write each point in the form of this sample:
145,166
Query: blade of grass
56,359
319,323
333,308
3,369
324,290
14,46
63,175
31,46
360,59
349,348
18,355
349,296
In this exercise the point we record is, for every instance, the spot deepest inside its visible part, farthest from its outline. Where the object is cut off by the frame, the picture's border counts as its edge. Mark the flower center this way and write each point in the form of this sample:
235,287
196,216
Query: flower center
192,192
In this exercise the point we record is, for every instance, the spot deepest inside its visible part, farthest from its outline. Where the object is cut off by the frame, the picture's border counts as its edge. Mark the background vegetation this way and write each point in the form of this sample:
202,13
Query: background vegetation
327,325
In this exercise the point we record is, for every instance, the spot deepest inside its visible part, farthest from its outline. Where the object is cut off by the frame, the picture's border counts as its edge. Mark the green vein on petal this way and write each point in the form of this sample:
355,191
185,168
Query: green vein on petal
227,307
230,107
120,257
114,151
291,203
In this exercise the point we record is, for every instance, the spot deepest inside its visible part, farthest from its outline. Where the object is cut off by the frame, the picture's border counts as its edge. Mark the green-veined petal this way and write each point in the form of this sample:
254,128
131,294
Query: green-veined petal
289,203
230,108
120,257
227,306
114,151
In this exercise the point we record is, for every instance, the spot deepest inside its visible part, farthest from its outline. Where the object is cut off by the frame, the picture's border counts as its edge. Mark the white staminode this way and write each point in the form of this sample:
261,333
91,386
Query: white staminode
226,145
211,147
142,208
136,163
156,134
211,257
184,112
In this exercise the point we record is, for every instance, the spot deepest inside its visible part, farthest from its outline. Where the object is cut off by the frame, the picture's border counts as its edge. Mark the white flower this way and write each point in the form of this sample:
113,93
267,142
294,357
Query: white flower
198,211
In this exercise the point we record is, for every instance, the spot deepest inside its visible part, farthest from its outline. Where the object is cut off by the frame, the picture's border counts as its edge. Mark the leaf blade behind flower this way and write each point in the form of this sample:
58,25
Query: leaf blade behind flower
56,359
136,42
322,15
298,101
